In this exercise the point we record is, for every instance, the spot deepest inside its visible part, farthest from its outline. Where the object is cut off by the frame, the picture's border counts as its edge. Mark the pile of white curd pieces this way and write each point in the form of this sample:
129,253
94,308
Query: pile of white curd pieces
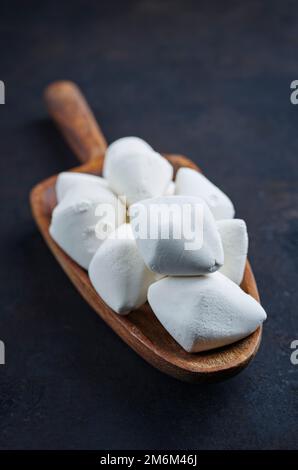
192,285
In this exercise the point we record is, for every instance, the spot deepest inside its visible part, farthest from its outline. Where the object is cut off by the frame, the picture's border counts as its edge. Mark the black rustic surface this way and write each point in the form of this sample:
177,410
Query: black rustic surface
209,80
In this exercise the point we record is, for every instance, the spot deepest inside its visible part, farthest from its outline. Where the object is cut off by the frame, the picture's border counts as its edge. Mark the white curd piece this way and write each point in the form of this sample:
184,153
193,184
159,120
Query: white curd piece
161,229
118,272
132,168
234,239
192,183
69,179
204,312
121,147
83,219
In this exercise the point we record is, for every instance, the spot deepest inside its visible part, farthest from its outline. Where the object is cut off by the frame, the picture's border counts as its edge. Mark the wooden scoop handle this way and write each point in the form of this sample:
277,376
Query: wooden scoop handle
74,118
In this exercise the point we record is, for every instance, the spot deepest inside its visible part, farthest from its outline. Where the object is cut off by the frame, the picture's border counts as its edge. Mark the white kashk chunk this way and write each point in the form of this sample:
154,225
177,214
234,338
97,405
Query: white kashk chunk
177,235
134,170
192,183
205,312
234,239
82,220
118,272
69,179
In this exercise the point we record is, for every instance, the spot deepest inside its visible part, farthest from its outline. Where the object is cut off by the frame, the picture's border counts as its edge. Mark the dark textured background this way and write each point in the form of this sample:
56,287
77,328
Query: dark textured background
212,81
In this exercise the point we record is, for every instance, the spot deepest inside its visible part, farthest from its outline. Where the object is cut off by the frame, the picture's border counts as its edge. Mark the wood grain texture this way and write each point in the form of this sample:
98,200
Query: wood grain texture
140,329
70,111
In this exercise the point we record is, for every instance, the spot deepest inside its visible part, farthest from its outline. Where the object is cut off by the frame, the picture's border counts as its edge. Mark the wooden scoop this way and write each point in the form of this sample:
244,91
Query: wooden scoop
140,329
